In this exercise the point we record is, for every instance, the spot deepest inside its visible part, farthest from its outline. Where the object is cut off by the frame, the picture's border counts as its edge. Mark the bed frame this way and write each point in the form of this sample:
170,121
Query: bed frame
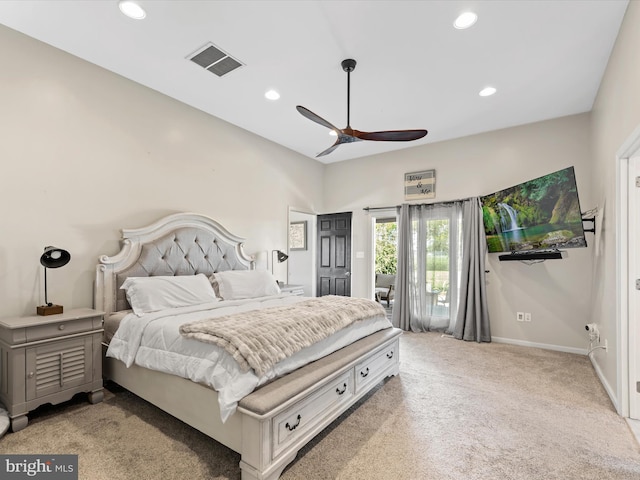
272,423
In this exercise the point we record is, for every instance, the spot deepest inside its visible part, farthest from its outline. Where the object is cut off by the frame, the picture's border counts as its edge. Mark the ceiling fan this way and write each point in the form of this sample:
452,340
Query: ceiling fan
348,134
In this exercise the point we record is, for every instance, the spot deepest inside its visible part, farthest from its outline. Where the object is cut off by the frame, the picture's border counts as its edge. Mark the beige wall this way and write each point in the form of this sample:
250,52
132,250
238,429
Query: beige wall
554,292
86,152
615,115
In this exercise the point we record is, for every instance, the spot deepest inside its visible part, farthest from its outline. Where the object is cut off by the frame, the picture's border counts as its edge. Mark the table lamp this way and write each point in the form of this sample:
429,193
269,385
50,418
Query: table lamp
281,256
52,257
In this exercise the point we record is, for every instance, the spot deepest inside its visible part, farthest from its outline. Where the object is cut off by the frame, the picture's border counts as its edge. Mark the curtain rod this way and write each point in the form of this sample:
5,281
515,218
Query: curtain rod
369,209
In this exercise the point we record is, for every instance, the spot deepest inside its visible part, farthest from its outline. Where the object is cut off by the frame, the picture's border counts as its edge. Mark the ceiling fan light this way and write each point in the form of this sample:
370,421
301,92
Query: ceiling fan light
272,95
465,20
132,9
333,133
487,91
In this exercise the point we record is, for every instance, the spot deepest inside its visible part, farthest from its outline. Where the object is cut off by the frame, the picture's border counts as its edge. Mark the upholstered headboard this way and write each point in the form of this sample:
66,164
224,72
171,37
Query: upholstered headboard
180,244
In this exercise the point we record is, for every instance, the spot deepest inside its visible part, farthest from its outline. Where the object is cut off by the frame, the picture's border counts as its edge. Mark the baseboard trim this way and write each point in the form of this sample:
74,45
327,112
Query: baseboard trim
634,425
560,348
611,392
545,346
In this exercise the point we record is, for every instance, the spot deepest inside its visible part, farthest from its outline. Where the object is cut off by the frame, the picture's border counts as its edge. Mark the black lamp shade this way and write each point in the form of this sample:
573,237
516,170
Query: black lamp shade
280,256
54,257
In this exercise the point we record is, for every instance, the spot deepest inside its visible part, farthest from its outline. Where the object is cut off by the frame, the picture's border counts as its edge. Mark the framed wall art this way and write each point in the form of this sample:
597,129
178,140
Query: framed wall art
420,185
298,235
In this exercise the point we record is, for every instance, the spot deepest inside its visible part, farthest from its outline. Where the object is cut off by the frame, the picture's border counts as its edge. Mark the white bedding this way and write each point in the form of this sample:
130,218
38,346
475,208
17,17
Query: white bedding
154,341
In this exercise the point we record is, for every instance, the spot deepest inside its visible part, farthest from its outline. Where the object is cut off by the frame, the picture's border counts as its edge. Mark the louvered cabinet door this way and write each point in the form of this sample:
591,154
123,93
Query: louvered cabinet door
59,366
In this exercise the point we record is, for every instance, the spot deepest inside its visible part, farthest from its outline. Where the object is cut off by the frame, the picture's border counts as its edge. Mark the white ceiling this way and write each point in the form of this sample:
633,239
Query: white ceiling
415,71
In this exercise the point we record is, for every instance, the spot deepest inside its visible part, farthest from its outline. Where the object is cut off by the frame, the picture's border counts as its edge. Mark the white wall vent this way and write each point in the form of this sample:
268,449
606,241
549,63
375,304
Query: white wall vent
214,60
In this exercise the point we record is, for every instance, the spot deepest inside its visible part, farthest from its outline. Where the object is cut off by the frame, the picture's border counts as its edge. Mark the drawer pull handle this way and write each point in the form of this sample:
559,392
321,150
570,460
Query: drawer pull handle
61,327
364,373
291,428
344,389
390,355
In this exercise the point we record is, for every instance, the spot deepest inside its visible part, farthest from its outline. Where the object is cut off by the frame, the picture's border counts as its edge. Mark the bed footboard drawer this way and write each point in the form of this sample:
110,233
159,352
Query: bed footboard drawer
378,366
303,416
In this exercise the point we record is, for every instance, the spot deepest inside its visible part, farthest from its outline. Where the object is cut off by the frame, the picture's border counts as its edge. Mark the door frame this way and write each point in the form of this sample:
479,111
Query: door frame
311,244
374,216
627,325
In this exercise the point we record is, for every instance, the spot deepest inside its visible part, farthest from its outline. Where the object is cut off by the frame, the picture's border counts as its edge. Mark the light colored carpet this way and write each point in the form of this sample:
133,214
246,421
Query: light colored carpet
458,411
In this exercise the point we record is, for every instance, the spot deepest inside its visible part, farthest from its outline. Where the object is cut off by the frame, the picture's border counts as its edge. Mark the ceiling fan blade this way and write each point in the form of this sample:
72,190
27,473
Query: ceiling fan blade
305,112
391,135
328,150
342,138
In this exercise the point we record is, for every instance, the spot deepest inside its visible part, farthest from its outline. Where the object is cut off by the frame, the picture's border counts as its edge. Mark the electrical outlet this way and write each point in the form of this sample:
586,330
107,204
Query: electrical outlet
527,317
520,316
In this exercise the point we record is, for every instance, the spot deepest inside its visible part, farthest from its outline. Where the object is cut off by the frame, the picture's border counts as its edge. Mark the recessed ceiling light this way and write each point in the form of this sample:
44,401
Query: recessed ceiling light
272,95
132,9
487,91
465,20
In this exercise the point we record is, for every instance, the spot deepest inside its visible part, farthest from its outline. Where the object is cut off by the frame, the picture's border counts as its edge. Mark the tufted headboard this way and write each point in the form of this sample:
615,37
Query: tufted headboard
180,244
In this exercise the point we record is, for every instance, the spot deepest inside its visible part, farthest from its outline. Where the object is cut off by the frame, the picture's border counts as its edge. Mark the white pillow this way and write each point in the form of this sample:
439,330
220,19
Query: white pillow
238,284
150,294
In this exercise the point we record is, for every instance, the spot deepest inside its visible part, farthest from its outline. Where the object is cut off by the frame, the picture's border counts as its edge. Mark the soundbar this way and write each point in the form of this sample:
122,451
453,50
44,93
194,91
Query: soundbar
539,255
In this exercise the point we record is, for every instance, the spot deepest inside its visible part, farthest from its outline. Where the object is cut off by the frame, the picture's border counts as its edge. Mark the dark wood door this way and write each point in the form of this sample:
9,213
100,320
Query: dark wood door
334,254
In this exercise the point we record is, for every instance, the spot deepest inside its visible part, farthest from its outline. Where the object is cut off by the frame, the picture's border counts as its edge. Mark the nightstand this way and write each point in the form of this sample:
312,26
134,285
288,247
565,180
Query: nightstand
292,289
48,359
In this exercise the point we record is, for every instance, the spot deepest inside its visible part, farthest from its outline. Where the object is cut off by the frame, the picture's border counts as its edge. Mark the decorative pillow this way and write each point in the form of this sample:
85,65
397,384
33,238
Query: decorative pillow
150,294
239,284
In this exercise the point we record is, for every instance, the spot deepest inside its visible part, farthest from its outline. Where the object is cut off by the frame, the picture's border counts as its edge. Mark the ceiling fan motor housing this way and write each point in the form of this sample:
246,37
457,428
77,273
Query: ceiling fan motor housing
349,65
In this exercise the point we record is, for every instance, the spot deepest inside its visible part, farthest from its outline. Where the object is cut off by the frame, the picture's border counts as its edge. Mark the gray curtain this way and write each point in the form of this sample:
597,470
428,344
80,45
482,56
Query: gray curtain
401,313
465,315
472,322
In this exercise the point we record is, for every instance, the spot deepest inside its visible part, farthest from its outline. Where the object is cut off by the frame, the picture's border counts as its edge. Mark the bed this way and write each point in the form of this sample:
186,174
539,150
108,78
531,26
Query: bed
267,417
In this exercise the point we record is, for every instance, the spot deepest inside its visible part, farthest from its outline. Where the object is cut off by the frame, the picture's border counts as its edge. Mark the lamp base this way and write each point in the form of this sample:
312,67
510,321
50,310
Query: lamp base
49,309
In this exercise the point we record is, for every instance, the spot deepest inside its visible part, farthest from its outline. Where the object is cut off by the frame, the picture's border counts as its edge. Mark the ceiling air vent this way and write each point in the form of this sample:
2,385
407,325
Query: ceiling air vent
215,60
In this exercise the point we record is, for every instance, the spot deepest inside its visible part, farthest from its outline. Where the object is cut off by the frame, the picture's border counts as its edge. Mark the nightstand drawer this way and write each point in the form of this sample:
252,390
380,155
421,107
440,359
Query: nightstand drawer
292,289
58,329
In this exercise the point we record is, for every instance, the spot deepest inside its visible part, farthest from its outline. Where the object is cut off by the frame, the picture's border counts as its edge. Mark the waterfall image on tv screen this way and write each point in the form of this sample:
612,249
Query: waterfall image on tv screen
540,214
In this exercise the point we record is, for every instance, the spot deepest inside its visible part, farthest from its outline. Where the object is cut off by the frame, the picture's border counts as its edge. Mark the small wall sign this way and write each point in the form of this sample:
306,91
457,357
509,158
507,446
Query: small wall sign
420,185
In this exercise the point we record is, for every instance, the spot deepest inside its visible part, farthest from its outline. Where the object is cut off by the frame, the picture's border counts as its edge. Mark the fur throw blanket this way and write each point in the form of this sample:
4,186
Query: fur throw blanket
259,339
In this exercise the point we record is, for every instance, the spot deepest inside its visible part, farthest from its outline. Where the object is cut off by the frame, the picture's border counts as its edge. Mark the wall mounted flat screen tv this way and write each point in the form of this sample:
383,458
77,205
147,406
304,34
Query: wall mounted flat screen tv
541,214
